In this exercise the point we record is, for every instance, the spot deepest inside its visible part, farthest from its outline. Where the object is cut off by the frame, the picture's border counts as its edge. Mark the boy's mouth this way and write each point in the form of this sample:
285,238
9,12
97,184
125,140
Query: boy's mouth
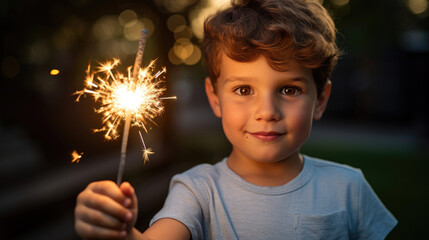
266,136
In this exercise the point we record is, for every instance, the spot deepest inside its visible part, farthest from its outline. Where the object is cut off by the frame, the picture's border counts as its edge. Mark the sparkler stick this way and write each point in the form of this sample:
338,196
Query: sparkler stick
137,64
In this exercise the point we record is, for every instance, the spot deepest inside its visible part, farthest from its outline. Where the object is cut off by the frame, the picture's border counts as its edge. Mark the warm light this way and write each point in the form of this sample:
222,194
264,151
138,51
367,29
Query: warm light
417,6
122,95
128,99
54,72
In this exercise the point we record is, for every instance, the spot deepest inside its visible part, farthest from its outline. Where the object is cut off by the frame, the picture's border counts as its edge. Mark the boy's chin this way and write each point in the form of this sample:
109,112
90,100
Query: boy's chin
272,157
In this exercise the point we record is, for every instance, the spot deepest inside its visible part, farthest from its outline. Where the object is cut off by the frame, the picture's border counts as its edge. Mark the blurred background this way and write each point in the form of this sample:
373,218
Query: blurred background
377,118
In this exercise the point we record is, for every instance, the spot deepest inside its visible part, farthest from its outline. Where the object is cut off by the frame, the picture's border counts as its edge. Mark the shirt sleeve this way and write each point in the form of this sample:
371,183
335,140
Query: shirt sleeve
183,204
375,221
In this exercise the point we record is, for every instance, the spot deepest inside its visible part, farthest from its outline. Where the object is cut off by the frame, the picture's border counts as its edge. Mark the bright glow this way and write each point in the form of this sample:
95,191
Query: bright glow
54,72
417,6
128,99
120,95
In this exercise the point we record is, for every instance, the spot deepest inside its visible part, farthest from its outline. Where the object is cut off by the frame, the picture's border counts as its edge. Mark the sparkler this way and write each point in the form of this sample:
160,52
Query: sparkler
134,98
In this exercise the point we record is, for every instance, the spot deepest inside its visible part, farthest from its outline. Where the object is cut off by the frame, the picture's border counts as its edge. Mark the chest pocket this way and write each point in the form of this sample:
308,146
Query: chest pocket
327,226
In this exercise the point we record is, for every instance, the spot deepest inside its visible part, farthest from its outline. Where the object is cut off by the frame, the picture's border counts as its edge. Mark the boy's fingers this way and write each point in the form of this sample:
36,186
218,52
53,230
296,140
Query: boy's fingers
127,189
105,204
95,232
129,192
98,218
108,188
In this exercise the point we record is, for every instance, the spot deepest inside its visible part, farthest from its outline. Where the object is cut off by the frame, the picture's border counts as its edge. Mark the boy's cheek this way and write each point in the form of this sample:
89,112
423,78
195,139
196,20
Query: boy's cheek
300,117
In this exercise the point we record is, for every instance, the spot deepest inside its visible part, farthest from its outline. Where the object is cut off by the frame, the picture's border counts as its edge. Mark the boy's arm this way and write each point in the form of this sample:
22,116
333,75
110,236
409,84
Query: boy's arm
165,228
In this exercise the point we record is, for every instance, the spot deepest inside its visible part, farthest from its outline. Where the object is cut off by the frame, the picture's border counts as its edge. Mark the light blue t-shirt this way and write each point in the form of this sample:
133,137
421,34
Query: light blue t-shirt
325,201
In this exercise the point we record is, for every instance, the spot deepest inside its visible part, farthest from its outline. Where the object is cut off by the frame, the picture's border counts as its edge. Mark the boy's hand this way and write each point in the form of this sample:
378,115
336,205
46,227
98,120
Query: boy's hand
104,210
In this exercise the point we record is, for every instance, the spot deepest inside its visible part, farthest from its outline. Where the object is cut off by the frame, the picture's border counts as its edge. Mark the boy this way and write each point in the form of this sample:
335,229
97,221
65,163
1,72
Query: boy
269,64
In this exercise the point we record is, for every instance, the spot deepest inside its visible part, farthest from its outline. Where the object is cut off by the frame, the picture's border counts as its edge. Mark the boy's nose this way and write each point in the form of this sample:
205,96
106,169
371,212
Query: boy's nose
267,109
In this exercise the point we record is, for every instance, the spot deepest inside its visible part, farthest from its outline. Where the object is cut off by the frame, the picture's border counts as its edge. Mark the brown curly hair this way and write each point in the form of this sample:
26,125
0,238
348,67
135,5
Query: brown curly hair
280,30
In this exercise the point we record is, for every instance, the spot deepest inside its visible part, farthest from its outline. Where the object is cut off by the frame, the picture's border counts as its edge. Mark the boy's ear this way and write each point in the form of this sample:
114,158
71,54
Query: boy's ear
212,97
322,101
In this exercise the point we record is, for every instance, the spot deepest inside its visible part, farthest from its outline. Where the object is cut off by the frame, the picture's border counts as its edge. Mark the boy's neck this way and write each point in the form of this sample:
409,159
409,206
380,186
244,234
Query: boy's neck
266,174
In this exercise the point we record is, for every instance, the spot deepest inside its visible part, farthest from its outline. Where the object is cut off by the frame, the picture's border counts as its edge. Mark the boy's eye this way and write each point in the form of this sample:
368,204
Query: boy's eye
243,91
290,91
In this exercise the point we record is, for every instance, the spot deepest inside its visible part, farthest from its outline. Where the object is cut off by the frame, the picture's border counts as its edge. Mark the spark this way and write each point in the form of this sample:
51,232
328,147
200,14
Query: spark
146,151
76,156
120,95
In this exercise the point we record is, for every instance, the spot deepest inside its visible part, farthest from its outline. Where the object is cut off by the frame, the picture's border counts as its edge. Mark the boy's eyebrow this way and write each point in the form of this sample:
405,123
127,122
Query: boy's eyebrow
299,79
292,79
236,79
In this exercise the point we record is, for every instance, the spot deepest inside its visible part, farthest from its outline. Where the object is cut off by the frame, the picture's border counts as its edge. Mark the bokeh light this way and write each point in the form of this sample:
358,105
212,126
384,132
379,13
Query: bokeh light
177,5
107,27
199,14
195,56
118,34
127,16
339,3
132,30
417,6
175,21
183,48
182,31
37,52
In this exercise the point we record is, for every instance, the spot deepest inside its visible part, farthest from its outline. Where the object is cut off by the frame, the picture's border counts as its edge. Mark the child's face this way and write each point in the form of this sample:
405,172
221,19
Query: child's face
266,114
